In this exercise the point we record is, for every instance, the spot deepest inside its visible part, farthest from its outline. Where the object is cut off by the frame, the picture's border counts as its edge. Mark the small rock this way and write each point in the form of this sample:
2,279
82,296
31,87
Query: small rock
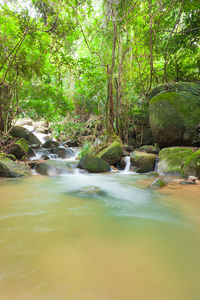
187,182
192,178
115,169
50,144
157,184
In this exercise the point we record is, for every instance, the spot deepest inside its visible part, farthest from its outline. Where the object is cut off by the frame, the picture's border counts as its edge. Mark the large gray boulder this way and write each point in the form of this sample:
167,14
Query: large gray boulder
93,164
175,116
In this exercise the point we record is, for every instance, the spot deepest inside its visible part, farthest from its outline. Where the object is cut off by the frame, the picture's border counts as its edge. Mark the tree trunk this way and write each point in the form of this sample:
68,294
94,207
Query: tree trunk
109,104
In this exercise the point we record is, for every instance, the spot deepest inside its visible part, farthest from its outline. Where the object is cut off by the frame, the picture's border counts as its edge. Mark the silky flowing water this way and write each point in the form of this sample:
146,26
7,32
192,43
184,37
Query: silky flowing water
107,236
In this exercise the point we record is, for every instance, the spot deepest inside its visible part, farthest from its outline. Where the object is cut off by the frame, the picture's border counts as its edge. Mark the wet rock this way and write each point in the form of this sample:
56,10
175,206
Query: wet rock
64,166
63,152
172,159
9,168
31,152
89,191
50,144
187,182
45,157
47,169
93,163
112,153
143,162
157,184
32,139
32,164
122,163
35,146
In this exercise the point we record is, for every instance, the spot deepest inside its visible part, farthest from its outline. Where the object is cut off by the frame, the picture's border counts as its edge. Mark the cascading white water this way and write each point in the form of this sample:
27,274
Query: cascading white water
128,164
156,165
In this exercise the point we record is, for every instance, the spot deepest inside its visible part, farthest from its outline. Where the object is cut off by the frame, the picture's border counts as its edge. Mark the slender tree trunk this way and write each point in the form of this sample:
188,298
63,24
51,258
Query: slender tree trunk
109,104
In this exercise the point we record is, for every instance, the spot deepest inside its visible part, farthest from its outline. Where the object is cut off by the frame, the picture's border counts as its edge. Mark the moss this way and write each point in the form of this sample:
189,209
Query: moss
193,88
23,144
192,165
172,159
93,163
158,183
20,149
9,168
112,153
174,118
143,162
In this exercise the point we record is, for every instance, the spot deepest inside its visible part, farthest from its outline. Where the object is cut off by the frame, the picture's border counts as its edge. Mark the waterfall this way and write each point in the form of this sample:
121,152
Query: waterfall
156,165
128,164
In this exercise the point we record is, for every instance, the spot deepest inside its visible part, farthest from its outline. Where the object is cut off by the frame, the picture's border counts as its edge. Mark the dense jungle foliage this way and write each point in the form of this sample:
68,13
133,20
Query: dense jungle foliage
62,60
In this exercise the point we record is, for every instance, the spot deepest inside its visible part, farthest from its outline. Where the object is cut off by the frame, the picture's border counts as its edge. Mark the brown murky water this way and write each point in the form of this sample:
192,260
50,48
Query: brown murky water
120,241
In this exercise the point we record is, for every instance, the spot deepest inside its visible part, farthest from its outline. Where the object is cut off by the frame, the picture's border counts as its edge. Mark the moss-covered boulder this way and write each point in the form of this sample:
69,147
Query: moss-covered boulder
21,132
192,165
143,162
174,118
45,168
171,160
112,153
9,168
20,148
93,164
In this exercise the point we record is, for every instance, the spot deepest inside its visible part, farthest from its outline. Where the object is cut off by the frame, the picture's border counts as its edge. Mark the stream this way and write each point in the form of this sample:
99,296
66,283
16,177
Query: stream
98,236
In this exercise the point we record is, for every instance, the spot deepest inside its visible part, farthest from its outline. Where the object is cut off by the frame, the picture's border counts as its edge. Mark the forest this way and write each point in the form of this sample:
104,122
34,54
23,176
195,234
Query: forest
99,149
64,60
